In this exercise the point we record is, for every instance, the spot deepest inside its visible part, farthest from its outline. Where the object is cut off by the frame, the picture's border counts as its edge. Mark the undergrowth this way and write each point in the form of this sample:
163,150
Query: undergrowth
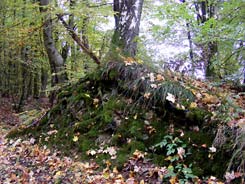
126,108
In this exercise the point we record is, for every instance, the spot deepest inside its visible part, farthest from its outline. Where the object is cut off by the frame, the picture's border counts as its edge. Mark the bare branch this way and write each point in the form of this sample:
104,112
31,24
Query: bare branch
78,40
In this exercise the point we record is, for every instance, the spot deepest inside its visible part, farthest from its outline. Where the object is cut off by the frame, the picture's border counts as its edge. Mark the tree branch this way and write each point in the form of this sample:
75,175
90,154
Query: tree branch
78,40
99,5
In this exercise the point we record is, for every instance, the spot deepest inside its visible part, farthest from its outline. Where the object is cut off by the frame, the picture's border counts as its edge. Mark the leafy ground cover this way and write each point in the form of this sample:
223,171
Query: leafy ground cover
24,161
128,124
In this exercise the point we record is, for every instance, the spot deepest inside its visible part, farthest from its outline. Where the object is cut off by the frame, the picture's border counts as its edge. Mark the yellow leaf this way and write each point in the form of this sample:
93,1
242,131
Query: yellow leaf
168,158
75,138
170,167
96,101
135,116
138,154
147,95
159,77
115,170
193,105
129,61
108,163
140,61
106,174
87,95
210,99
58,174
173,180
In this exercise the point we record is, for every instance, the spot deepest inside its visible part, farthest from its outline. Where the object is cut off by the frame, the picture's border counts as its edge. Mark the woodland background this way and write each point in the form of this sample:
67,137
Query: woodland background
210,35
133,91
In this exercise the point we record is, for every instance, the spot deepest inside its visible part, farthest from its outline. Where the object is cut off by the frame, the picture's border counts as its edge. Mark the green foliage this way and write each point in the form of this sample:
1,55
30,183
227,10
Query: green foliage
223,26
175,153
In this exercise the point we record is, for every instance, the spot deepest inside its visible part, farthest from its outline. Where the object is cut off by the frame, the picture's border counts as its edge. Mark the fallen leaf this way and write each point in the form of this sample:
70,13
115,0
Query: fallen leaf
173,180
159,77
212,149
87,95
152,77
138,154
241,123
193,105
75,138
181,152
170,97
95,101
210,99
91,152
147,95
154,86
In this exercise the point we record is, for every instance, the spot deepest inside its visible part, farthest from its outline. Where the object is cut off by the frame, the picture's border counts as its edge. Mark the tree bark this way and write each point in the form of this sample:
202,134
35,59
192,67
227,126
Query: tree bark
206,10
44,81
56,60
127,23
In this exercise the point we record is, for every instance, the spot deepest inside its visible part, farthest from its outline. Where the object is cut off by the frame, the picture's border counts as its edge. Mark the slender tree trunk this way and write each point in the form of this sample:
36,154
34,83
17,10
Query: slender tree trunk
127,21
56,60
190,44
2,49
212,50
206,10
66,48
84,31
44,81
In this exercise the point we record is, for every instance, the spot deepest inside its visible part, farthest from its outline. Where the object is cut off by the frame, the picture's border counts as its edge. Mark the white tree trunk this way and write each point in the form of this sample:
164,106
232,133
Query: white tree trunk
127,20
55,59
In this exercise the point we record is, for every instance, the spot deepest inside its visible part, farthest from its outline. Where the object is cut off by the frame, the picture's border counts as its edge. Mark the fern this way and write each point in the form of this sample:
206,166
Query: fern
134,81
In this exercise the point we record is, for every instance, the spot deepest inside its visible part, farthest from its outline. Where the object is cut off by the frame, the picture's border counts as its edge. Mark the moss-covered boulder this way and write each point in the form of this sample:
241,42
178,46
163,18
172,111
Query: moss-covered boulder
128,107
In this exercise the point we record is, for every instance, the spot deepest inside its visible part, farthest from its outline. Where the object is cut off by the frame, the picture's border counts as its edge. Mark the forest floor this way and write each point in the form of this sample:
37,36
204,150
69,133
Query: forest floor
24,161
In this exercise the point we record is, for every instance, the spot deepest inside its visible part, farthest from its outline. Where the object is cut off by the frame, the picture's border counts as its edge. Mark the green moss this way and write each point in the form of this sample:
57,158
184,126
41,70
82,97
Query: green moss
76,114
82,126
198,138
197,116
93,133
122,157
158,159
161,128
85,144
65,93
135,145
203,163
113,74
117,139
101,158
198,171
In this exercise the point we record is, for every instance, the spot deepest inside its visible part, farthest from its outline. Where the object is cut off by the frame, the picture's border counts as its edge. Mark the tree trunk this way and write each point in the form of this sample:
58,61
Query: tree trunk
55,59
206,10
212,50
44,81
127,21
